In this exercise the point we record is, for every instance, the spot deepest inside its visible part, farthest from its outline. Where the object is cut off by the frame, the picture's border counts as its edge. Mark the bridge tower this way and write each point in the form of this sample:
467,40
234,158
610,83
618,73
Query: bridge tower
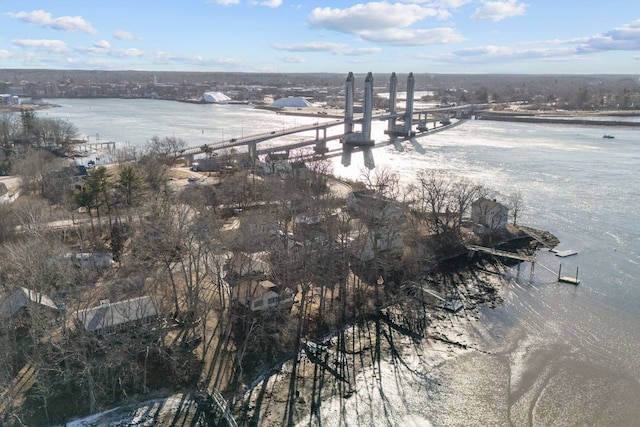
393,93
408,114
351,138
394,130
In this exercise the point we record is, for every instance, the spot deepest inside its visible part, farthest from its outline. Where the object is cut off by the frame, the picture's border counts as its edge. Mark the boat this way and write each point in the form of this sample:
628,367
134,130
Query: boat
608,136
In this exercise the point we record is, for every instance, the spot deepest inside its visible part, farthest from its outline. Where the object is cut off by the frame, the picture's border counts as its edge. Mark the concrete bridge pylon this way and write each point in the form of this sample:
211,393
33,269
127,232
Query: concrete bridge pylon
362,138
405,130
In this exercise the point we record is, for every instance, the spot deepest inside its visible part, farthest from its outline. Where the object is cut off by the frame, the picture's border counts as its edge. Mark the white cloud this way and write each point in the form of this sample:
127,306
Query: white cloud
292,59
268,3
369,17
310,47
334,48
498,10
56,46
5,54
130,53
167,58
503,54
626,37
224,2
362,51
402,37
64,23
123,35
102,44
446,4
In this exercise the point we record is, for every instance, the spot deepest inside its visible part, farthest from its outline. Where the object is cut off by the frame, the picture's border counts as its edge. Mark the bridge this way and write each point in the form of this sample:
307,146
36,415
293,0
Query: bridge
356,133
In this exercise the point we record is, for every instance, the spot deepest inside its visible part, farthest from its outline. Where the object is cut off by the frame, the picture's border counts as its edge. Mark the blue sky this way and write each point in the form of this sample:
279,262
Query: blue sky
337,36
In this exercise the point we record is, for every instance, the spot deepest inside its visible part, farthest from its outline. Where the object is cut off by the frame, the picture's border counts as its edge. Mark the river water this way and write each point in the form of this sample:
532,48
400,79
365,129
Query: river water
556,354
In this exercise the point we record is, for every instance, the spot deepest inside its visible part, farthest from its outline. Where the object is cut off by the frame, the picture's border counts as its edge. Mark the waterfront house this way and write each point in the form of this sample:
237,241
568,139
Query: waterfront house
109,318
260,295
365,243
489,214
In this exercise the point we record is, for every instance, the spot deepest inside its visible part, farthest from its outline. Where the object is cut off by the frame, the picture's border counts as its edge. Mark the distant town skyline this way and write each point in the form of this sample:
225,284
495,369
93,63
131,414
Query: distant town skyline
333,36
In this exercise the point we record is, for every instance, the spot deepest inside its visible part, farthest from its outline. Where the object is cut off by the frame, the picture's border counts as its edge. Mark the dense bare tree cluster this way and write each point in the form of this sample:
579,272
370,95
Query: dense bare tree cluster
326,254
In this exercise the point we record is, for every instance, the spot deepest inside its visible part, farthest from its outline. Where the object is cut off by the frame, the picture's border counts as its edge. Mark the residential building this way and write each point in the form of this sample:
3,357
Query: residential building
22,298
108,318
489,213
260,295
249,264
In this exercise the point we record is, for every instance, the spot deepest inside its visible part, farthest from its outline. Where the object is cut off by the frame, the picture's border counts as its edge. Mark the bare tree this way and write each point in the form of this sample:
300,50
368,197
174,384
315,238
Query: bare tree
444,200
55,133
383,181
37,169
9,129
168,147
516,206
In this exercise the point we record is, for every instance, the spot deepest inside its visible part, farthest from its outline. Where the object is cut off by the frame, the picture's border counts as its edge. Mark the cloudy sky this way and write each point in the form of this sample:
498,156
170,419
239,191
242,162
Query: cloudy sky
438,36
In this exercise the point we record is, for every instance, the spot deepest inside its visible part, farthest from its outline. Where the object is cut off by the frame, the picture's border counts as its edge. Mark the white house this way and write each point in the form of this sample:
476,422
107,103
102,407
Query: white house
260,295
489,213
108,318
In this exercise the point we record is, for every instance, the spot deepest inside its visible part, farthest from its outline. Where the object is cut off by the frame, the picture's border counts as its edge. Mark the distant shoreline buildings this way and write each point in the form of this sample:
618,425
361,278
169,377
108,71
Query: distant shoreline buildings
579,92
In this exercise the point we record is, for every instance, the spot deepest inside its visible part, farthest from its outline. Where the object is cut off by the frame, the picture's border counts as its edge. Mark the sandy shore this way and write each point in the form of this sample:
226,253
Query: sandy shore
378,359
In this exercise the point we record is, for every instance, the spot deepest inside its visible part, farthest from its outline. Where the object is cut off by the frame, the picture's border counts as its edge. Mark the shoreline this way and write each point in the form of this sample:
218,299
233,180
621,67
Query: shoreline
406,334
554,118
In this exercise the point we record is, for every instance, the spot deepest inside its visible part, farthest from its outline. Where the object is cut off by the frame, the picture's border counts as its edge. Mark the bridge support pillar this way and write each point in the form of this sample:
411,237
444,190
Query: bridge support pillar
253,149
408,114
321,144
361,139
405,130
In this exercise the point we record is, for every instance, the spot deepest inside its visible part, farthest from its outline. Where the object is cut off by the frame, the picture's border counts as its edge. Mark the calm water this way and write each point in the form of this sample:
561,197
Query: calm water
555,354
559,354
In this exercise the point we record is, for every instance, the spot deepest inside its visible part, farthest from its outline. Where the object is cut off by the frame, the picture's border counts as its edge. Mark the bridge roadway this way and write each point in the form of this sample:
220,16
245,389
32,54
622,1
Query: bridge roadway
338,151
261,137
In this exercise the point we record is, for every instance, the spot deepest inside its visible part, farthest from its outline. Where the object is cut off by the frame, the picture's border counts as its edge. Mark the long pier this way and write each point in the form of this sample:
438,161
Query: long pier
109,145
504,254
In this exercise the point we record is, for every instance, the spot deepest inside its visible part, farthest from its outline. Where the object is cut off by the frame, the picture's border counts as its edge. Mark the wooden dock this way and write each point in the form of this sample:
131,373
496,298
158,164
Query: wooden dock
567,279
504,254
563,254
110,146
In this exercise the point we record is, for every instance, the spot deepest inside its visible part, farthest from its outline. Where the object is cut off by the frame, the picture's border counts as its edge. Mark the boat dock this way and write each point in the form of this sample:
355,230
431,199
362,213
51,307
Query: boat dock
110,146
504,254
563,254
567,279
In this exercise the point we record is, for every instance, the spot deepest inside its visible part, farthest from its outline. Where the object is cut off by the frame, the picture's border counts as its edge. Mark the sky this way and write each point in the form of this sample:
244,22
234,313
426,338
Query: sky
333,36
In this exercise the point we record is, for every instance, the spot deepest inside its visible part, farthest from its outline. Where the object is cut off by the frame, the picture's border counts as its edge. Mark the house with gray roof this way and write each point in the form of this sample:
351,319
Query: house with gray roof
22,298
108,317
